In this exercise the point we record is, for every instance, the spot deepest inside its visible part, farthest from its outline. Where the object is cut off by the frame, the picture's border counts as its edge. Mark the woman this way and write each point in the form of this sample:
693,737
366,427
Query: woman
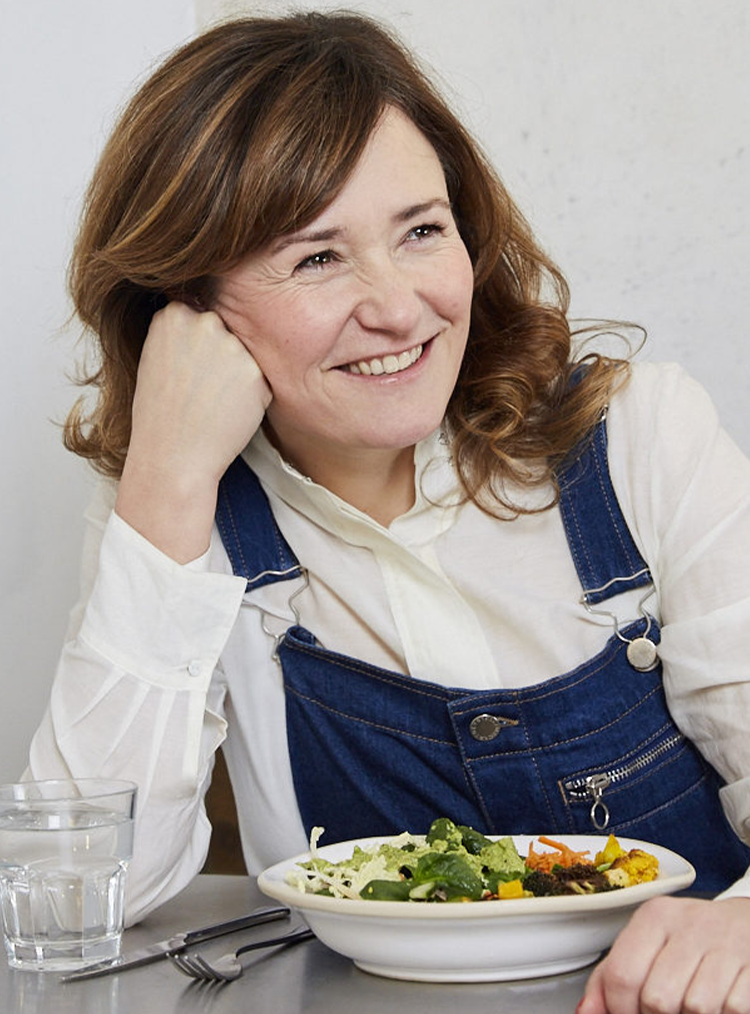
367,509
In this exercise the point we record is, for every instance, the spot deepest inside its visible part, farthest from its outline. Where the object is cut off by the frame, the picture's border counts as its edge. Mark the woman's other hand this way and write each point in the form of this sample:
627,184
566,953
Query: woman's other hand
676,956
199,398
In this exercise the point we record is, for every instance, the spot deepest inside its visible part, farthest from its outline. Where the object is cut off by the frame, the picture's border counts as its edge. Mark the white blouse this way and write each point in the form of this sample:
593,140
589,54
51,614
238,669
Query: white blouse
164,663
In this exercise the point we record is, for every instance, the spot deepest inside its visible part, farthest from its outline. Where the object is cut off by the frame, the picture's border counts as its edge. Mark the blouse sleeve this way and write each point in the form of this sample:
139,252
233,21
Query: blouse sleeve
138,695
685,490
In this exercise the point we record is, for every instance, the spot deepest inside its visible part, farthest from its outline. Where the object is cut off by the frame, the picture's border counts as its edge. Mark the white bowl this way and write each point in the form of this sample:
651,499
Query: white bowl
475,941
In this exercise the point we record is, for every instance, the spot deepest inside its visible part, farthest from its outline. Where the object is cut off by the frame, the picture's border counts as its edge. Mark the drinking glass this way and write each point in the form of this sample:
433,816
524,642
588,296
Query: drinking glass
64,852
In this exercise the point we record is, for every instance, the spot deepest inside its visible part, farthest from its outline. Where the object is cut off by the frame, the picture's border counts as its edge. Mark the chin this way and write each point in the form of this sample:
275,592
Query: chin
405,437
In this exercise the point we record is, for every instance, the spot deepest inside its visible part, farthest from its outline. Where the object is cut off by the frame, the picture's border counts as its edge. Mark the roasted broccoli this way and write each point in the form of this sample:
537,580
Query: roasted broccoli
543,885
582,878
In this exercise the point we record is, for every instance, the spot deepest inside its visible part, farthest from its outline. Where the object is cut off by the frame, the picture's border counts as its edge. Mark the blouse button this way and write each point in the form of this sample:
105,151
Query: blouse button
194,668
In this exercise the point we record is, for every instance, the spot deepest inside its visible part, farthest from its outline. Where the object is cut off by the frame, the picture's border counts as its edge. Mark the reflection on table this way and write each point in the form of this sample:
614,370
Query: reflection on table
307,978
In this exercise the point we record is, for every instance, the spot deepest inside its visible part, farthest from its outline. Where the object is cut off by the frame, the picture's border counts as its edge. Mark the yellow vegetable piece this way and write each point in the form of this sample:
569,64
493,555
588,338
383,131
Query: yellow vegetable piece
512,889
610,852
640,866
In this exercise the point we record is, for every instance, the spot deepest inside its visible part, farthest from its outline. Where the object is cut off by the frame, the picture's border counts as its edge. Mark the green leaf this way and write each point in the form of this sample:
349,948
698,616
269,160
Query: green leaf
473,841
386,890
452,875
444,830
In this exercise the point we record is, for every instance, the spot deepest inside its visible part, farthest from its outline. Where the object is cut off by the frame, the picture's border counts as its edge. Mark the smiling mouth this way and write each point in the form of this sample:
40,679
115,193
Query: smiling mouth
388,364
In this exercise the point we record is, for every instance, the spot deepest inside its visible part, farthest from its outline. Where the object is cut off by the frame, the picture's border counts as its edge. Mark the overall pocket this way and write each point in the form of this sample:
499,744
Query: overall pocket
627,793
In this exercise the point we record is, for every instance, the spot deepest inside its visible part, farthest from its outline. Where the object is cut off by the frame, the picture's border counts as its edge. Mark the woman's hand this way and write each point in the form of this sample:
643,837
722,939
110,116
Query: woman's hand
676,956
199,398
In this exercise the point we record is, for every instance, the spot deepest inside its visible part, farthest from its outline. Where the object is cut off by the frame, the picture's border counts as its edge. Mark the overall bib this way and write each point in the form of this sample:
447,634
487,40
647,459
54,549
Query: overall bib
376,752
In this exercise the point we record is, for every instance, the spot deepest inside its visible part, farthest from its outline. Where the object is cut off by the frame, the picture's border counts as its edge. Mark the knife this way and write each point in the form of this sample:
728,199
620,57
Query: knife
175,944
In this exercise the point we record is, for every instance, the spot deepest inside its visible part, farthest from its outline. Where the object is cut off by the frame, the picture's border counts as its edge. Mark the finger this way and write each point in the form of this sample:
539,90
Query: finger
665,993
592,1001
738,999
611,989
697,968
629,962
701,965
713,980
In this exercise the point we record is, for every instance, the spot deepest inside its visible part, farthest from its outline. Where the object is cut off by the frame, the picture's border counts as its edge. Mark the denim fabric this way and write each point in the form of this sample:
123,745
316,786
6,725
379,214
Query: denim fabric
256,548
375,752
599,540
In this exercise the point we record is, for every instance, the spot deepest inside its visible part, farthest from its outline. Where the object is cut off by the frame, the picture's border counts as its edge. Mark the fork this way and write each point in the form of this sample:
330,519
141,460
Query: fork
227,968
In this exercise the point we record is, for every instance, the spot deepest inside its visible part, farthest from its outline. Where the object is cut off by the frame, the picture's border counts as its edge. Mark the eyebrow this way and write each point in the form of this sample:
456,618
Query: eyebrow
420,209
325,235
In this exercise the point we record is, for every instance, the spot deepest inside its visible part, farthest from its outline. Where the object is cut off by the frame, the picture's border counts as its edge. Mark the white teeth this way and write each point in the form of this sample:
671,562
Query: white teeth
388,364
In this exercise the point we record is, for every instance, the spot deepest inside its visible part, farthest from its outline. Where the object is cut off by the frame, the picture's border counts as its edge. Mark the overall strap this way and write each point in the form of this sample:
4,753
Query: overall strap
256,548
604,553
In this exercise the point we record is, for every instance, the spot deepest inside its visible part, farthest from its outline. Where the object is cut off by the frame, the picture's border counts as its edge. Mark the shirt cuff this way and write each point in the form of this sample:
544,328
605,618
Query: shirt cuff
739,889
165,622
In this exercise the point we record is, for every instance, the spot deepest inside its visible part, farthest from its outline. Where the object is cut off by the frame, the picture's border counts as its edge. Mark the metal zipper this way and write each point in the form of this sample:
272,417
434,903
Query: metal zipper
594,785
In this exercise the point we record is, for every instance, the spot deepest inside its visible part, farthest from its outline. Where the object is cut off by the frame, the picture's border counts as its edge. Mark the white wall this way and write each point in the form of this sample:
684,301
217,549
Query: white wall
64,69
623,131
621,128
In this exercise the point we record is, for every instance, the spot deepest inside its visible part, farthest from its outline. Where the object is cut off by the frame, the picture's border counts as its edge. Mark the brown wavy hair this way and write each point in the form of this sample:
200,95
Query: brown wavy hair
248,132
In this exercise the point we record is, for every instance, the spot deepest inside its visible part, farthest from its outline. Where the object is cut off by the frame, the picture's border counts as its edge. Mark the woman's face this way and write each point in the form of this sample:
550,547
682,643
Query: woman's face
359,321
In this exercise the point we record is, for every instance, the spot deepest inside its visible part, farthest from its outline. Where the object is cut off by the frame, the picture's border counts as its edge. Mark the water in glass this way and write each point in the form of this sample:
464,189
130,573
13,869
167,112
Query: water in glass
62,879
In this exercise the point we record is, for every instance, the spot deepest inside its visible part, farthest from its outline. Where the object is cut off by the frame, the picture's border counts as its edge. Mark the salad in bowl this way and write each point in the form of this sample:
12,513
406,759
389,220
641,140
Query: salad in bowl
453,862
457,906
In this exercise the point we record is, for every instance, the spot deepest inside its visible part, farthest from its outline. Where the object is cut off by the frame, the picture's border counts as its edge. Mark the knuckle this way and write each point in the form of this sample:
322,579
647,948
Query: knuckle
662,910
619,978
174,309
654,1002
659,905
207,320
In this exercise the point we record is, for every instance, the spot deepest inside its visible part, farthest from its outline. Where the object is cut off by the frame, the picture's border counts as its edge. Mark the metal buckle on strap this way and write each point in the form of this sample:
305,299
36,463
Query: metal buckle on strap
278,638
641,651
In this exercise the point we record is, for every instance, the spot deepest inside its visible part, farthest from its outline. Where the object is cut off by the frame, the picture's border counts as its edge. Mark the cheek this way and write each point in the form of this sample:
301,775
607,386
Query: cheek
266,330
457,289
290,340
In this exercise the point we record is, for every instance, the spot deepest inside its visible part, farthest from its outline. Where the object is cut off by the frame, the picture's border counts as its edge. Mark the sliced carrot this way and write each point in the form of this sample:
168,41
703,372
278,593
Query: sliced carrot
563,856
565,849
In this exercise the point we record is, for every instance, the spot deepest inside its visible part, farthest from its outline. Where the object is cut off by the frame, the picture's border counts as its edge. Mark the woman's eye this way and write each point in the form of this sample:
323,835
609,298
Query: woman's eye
425,230
316,260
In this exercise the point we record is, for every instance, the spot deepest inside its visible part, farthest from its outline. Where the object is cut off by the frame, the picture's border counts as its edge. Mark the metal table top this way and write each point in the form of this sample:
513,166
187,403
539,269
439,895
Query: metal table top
308,977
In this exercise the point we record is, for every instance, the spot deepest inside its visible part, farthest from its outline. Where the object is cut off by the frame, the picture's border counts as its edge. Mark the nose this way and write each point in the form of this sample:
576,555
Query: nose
387,298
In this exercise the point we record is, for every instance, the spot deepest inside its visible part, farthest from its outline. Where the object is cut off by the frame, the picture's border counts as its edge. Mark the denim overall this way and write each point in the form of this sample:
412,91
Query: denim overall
376,752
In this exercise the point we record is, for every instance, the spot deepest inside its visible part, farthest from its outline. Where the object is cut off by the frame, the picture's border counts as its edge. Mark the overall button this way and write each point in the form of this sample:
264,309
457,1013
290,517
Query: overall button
486,727
642,654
